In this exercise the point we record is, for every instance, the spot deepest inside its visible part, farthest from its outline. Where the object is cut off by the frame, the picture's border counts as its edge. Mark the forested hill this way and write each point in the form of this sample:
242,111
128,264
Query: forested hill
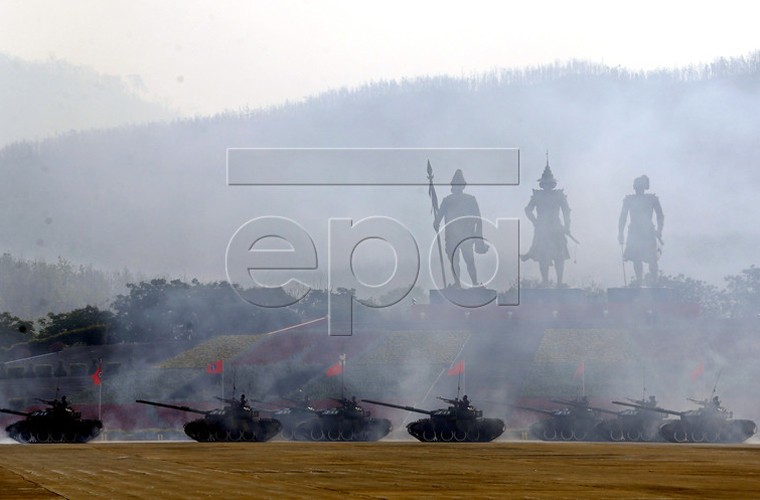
153,198
40,99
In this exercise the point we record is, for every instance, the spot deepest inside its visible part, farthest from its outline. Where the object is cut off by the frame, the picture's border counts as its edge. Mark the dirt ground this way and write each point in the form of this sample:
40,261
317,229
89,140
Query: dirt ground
378,470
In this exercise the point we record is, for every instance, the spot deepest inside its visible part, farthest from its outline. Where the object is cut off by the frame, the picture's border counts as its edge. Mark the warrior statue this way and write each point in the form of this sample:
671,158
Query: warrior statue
641,245
550,234
464,228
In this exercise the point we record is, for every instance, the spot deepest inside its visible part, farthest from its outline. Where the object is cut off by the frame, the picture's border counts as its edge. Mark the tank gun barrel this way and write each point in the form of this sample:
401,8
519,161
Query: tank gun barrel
400,407
14,412
657,409
173,407
701,402
528,408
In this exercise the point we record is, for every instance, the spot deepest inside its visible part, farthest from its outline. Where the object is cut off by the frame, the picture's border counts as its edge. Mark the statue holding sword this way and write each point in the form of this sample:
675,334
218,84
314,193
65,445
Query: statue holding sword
550,233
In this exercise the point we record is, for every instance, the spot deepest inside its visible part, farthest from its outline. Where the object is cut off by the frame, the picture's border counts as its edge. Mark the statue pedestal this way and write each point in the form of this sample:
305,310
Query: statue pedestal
553,296
463,297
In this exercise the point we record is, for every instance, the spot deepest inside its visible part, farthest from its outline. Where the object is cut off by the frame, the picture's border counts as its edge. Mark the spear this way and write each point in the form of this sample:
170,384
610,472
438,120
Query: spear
434,200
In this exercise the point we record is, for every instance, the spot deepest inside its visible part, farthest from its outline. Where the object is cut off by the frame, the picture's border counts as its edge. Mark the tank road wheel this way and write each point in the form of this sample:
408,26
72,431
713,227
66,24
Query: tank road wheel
202,436
681,436
549,434
220,435
460,436
287,434
428,435
236,435
317,434
697,436
712,436
580,434
447,435
633,435
333,434
474,436
347,435
567,434
249,436
616,434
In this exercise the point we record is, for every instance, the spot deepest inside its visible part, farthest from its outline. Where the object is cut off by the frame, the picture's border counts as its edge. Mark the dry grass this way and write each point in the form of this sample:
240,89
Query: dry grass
378,470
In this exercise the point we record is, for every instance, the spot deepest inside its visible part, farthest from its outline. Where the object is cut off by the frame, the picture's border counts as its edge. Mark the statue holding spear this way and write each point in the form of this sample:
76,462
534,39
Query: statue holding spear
464,227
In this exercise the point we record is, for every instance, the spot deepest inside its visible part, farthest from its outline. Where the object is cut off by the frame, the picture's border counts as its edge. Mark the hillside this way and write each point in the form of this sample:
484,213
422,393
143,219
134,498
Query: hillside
153,198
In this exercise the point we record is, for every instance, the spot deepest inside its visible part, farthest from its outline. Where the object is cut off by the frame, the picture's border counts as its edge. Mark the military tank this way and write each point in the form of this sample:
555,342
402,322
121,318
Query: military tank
460,422
710,423
235,422
58,423
639,423
345,422
576,422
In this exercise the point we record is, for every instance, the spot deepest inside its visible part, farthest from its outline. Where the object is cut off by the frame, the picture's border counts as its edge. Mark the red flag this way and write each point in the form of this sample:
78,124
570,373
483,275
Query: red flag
581,369
697,372
335,369
457,369
215,367
96,376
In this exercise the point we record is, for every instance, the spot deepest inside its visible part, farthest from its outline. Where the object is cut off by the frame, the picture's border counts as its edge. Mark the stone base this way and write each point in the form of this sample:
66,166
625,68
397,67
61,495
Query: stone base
463,297
643,295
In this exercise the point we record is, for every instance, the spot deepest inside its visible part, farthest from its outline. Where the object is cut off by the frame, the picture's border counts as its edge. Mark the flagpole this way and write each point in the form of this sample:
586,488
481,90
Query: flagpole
100,400
342,359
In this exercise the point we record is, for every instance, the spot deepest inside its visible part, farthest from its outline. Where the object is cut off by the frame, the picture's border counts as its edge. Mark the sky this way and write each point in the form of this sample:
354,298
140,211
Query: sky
203,57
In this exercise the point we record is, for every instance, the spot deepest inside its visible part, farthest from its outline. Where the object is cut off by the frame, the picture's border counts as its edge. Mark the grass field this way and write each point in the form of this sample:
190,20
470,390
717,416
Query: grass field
378,470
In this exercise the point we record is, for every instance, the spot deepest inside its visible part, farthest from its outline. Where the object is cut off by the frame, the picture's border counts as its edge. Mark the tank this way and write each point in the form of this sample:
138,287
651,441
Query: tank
710,423
576,422
345,422
460,422
641,422
58,423
235,422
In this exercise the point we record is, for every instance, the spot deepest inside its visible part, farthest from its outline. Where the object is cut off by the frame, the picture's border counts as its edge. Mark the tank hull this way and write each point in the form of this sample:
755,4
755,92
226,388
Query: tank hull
716,431
323,429
48,430
479,430
207,430
631,429
565,429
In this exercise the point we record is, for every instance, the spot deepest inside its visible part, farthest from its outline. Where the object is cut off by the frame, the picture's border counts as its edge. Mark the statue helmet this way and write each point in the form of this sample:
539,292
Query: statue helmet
641,183
458,179
547,177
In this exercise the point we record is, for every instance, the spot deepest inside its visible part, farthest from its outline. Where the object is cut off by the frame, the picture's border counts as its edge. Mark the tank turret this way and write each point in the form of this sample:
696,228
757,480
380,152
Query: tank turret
58,423
236,421
461,422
